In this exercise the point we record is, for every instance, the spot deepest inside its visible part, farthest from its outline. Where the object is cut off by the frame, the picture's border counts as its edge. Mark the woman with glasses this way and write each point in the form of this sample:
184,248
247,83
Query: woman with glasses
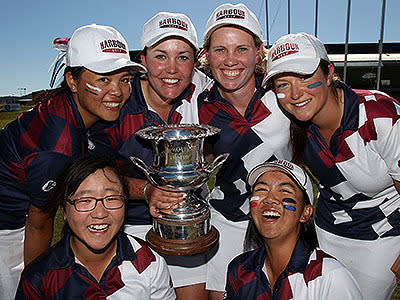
95,260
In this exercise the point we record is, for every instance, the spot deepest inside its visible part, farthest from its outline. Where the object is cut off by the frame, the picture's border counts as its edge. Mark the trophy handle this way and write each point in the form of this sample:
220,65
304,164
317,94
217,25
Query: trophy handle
219,160
142,166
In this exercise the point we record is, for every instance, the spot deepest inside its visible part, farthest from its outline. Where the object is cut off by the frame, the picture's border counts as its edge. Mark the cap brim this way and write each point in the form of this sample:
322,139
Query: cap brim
222,24
165,35
110,65
301,66
258,171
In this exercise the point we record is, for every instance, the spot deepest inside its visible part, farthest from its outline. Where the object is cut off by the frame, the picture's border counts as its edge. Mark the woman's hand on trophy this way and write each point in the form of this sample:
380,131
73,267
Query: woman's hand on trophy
161,200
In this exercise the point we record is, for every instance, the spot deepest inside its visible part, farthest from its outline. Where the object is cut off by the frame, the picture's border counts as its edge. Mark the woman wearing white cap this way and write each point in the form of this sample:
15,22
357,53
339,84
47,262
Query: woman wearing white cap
253,128
350,142
37,147
285,263
167,94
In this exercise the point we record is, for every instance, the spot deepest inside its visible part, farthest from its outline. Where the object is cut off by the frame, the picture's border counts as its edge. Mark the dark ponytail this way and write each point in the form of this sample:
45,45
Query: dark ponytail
48,94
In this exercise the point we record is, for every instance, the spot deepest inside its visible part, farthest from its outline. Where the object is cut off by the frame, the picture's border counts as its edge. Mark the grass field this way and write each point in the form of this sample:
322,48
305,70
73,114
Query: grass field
6,117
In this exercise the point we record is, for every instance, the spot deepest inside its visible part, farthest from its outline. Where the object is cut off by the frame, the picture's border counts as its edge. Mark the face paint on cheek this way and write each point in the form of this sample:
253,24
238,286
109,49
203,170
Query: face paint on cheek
314,85
281,96
92,88
288,207
290,204
253,204
254,201
289,200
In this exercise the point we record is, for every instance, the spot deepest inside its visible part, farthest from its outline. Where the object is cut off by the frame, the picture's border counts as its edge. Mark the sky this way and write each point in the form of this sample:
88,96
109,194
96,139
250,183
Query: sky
28,27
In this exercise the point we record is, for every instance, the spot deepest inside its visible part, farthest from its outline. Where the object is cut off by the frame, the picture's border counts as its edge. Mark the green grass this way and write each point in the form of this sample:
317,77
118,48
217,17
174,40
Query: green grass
396,294
6,117
58,227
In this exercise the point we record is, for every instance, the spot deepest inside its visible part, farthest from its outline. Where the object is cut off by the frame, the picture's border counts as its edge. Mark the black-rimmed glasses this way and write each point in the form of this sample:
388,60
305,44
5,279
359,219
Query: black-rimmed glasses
86,204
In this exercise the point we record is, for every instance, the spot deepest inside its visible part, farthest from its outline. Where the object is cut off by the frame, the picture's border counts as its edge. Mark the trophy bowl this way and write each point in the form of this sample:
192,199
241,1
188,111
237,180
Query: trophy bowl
179,164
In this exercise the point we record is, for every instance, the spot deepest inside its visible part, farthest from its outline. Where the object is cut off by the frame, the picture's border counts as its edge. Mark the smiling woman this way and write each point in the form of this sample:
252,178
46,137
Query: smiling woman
349,139
95,224
253,127
42,142
166,94
285,263
100,96
94,253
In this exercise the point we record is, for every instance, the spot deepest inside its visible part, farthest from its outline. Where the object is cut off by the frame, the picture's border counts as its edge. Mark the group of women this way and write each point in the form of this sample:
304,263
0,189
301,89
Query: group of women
293,108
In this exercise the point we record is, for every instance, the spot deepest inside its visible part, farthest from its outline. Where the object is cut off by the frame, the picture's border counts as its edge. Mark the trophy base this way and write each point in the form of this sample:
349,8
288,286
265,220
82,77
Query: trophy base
183,247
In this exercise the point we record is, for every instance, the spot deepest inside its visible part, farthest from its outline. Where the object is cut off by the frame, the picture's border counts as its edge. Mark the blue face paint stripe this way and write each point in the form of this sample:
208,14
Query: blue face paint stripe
314,85
288,207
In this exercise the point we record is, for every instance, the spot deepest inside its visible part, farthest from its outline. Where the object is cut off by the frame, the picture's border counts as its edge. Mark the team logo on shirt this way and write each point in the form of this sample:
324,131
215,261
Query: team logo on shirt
113,46
48,186
173,23
230,14
91,145
284,50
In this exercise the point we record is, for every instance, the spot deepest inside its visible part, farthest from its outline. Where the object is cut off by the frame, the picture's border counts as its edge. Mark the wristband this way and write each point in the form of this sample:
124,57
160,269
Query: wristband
144,190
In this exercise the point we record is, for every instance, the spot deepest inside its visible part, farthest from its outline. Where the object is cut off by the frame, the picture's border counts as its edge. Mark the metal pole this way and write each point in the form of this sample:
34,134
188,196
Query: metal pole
316,19
288,18
346,45
378,80
266,20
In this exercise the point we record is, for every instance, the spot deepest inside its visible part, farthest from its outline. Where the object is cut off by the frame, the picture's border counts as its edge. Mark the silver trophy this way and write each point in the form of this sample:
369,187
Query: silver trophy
179,164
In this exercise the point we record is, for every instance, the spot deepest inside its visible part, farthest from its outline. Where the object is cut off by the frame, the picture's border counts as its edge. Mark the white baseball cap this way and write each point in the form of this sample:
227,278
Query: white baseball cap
166,24
298,175
229,14
298,53
100,49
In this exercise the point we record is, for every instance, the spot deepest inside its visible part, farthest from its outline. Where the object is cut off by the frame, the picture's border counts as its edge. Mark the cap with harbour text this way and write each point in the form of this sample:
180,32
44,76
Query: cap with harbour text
298,53
230,14
166,24
100,49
